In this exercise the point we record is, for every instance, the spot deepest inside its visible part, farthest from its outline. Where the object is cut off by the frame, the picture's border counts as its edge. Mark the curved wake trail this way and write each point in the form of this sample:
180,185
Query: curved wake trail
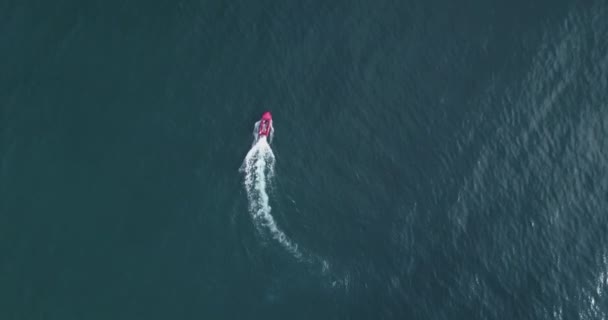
258,168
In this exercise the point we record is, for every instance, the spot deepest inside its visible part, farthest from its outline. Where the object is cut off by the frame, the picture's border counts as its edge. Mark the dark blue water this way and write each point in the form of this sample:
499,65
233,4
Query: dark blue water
434,159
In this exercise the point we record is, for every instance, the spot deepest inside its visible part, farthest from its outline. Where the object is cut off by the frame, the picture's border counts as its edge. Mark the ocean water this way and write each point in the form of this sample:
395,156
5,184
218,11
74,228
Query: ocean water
431,160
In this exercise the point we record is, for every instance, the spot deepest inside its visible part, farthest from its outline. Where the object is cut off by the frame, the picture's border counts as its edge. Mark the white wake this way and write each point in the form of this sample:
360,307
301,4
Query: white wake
258,168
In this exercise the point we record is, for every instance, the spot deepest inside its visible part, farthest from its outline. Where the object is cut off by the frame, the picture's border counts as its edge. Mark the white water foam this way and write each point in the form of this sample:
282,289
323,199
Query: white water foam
258,168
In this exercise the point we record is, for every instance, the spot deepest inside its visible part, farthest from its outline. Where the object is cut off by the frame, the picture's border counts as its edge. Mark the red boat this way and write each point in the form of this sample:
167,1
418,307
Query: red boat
265,125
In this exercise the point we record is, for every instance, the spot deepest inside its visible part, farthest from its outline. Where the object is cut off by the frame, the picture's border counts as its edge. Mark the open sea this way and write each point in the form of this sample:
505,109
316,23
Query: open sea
431,159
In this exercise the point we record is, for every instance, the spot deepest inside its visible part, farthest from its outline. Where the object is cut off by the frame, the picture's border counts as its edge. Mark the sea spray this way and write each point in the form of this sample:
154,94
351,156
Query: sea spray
258,168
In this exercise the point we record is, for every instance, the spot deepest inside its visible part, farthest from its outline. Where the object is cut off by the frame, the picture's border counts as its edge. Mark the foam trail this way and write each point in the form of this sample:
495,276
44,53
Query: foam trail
258,168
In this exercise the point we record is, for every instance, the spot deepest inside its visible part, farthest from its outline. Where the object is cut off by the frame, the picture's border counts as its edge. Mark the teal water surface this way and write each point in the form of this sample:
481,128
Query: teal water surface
434,159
